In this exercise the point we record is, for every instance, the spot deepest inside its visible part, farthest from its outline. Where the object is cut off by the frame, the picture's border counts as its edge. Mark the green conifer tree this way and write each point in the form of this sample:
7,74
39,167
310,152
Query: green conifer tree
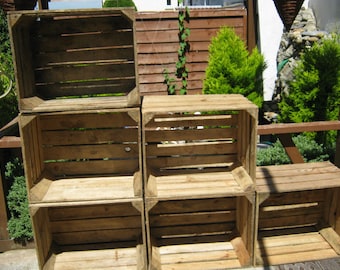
232,69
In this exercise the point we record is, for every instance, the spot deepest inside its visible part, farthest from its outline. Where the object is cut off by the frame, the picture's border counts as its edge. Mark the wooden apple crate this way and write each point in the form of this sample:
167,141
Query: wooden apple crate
199,168
82,157
90,236
210,233
74,59
298,210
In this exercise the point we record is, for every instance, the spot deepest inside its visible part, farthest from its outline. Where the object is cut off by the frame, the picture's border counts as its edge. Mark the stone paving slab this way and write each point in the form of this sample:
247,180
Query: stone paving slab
26,259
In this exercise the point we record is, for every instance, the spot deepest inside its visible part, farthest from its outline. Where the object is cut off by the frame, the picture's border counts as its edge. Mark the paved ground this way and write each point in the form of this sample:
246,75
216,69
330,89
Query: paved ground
25,259
20,259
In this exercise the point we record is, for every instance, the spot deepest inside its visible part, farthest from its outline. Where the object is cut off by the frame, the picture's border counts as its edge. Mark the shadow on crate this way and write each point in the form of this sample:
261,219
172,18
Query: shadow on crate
82,157
298,208
95,236
200,233
75,59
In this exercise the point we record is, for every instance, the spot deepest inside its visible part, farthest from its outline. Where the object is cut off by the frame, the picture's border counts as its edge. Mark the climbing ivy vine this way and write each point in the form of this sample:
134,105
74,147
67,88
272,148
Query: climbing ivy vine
182,71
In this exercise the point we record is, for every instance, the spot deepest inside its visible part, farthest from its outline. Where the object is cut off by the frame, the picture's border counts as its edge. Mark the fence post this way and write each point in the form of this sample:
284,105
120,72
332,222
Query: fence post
337,148
3,213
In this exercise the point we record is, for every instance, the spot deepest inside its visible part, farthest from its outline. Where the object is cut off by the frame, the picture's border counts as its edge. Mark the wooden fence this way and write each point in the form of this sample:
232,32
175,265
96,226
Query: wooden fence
158,43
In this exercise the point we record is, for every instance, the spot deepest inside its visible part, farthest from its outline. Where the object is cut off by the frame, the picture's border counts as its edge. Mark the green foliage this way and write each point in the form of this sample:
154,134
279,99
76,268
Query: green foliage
310,150
232,70
8,104
182,71
314,94
119,3
273,155
19,224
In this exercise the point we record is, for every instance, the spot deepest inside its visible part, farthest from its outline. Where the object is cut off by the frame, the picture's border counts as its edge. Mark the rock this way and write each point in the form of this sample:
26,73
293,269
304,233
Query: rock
303,34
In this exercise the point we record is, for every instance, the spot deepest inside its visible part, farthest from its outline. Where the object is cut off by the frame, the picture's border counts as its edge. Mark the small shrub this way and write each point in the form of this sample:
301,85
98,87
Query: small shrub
19,224
314,94
232,70
119,3
310,150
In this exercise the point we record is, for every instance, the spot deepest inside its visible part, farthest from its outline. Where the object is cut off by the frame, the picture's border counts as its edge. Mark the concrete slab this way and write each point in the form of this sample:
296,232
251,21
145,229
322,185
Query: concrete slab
20,259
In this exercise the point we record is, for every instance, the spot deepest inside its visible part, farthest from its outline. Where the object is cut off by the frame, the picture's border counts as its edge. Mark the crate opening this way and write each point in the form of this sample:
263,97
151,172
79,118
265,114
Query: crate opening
293,227
92,235
75,57
185,233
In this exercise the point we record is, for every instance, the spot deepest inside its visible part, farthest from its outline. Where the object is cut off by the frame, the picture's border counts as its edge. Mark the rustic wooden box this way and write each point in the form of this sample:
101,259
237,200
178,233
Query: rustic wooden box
214,233
198,146
74,59
298,210
82,157
199,168
90,236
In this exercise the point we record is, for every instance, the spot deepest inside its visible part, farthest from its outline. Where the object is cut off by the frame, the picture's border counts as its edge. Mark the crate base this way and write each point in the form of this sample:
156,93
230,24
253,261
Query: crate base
292,246
38,105
118,258
84,189
210,255
200,185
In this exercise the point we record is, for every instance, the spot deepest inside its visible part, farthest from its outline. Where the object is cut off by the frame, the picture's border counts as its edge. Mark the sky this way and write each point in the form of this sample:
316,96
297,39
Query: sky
75,4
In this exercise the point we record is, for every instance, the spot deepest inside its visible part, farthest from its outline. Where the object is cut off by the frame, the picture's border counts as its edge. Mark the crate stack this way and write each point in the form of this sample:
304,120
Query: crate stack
199,173
80,127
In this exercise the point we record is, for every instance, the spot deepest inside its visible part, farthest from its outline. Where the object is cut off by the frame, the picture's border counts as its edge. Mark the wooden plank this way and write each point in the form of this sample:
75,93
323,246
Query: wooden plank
87,189
290,148
188,120
97,258
10,142
92,224
3,214
283,128
93,237
187,206
87,136
216,148
106,119
120,151
294,248
198,134
93,167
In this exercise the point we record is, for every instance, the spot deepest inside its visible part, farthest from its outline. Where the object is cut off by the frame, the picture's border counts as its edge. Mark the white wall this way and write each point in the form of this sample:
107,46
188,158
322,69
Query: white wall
152,5
327,13
271,27
270,32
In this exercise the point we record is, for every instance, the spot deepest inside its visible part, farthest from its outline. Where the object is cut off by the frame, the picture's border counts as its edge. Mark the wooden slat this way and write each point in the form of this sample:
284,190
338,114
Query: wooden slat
199,185
92,211
86,189
295,248
298,127
295,177
109,259
88,120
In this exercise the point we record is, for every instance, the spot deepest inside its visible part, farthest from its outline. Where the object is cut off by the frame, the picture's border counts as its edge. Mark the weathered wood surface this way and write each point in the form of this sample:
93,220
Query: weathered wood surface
86,156
197,234
297,177
90,236
194,146
74,54
199,189
297,213
158,43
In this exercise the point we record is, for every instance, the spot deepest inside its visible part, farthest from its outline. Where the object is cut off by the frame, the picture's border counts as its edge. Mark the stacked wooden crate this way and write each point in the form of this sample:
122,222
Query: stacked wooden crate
199,171
298,213
80,128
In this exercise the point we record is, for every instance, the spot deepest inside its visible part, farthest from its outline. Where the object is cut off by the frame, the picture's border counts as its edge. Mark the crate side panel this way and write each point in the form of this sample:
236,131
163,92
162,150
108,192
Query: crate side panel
82,225
91,144
187,140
